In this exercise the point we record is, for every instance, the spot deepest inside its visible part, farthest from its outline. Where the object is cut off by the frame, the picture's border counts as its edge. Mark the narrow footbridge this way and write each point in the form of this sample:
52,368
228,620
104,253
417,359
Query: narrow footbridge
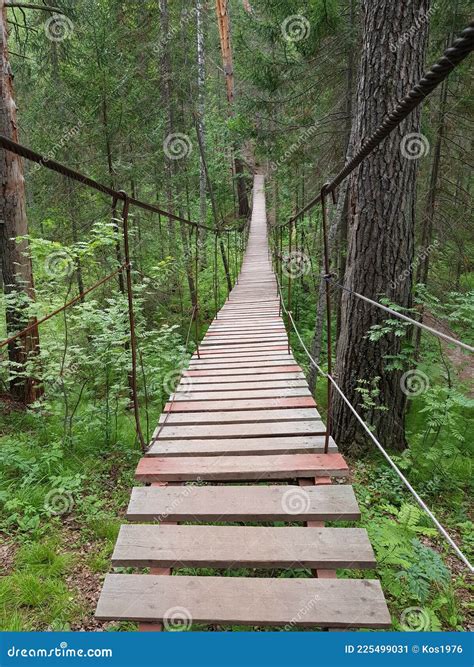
239,451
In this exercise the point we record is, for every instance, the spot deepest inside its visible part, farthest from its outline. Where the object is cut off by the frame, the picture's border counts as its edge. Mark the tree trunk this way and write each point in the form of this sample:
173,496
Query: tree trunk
110,167
380,220
223,21
428,218
167,97
201,61
17,271
215,214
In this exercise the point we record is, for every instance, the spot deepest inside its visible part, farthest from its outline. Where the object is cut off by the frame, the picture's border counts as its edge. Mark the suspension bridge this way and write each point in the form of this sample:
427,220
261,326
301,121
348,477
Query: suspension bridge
243,418
241,447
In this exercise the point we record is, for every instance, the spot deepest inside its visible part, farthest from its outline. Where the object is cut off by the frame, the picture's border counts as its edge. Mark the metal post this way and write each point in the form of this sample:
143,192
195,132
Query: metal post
327,269
131,317
196,311
216,270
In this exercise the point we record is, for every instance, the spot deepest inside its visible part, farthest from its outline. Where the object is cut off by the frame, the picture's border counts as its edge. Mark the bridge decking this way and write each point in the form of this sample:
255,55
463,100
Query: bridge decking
243,413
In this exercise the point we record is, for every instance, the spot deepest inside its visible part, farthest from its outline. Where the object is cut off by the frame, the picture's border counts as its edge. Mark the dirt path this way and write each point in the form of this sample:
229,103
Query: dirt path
462,361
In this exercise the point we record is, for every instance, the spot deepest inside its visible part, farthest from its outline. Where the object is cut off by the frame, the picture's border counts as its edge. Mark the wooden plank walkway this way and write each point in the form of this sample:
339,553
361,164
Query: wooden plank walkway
241,440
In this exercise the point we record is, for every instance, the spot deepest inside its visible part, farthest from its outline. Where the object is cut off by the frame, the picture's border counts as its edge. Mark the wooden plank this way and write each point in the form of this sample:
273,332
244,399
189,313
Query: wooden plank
245,601
208,365
238,416
243,340
265,370
242,546
250,332
261,377
242,394
236,354
243,503
197,468
277,385
241,446
197,363
248,404
242,430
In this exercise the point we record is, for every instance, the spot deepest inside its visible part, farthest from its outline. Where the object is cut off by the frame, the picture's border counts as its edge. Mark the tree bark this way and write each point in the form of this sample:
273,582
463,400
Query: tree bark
223,21
201,62
380,220
110,167
17,271
215,214
428,218
166,75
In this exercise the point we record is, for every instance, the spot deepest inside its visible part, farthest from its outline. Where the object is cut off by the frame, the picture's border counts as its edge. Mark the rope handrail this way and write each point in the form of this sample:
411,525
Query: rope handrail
401,316
77,298
452,56
58,167
383,451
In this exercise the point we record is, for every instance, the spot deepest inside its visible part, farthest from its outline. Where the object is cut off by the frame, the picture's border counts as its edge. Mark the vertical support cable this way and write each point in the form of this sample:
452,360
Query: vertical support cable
229,260
236,259
216,298
196,287
131,318
281,255
327,269
289,270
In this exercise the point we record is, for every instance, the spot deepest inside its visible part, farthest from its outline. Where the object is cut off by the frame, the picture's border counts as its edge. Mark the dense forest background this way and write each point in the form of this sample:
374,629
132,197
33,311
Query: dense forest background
139,95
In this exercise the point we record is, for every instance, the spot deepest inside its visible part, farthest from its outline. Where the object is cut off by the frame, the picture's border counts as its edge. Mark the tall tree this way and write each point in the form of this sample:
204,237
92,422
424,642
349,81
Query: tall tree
201,82
223,21
15,258
380,218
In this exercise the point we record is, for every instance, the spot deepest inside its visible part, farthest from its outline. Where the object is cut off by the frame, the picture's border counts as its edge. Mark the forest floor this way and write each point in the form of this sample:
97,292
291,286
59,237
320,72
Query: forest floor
52,578
462,362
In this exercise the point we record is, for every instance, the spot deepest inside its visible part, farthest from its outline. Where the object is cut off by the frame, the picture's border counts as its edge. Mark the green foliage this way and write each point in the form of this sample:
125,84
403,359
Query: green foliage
369,391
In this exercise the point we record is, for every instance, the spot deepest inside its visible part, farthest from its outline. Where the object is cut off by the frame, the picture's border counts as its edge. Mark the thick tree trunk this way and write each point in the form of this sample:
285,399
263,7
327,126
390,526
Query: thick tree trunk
380,219
15,259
